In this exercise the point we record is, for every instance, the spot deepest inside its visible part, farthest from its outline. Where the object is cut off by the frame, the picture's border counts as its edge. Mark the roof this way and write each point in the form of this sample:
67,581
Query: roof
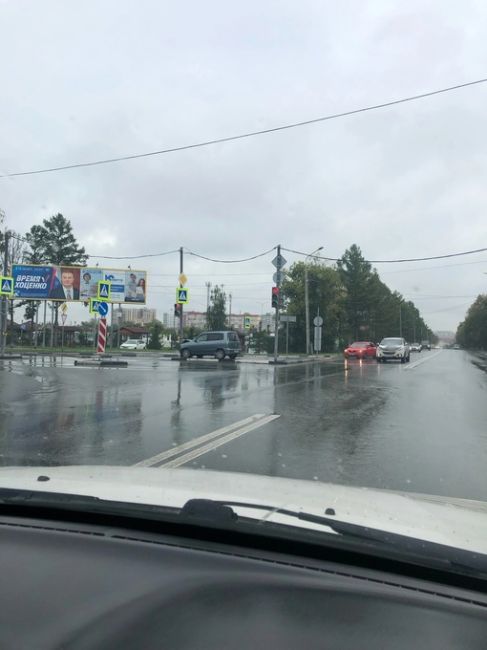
134,329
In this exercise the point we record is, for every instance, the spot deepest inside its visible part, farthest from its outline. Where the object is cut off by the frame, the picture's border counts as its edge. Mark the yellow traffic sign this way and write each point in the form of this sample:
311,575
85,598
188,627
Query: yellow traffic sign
104,290
64,307
6,285
182,279
182,295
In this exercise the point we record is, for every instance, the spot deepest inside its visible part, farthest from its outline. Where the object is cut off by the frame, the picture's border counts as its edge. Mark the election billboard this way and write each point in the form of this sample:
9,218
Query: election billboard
75,283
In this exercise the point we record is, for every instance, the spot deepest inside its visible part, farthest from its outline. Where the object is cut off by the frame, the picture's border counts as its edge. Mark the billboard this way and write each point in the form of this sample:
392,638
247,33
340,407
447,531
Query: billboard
75,283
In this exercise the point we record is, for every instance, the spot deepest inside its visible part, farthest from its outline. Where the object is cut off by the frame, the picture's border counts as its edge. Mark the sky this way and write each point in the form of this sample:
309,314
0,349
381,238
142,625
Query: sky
87,80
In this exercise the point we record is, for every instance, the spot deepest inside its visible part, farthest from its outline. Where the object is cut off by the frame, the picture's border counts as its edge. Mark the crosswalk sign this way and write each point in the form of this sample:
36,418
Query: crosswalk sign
247,322
6,285
104,290
182,295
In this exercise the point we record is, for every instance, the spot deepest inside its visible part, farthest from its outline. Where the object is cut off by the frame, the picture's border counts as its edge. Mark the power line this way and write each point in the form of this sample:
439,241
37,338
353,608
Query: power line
393,261
133,257
245,259
250,134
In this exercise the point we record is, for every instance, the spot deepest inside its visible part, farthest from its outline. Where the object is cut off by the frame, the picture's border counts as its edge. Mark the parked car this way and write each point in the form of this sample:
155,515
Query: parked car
215,344
360,350
133,344
393,348
426,345
415,347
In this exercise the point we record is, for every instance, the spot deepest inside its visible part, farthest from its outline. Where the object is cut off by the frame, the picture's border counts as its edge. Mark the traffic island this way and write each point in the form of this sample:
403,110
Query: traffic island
9,357
100,363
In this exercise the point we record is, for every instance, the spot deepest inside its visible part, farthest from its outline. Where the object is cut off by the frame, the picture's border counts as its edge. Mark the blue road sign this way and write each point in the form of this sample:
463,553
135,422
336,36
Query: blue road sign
104,290
103,308
182,295
6,285
98,307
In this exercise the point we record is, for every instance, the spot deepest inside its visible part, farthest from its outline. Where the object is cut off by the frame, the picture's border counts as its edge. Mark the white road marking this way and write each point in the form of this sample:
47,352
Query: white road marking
174,451
414,365
191,455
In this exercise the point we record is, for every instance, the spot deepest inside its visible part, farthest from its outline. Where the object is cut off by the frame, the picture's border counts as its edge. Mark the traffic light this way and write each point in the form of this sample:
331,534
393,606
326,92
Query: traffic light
177,310
275,297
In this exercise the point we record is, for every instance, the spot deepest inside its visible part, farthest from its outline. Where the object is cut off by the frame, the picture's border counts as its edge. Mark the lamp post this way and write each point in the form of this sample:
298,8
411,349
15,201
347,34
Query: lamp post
306,296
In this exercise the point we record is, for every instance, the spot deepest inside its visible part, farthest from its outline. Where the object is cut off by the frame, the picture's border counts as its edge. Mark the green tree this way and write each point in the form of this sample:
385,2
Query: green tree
472,332
156,329
216,315
326,296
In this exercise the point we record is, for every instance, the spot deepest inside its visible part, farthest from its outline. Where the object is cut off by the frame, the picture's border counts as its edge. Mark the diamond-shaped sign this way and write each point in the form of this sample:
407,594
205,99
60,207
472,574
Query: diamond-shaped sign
279,261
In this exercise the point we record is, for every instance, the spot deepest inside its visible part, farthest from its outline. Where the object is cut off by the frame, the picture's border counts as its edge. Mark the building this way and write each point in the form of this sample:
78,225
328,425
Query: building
197,319
138,315
236,321
268,322
170,321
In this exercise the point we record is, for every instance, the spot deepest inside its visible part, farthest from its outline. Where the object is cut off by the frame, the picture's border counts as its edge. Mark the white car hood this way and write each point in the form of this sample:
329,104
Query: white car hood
453,522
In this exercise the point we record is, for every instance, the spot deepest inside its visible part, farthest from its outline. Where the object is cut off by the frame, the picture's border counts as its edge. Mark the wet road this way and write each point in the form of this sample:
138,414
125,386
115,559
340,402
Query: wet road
419,427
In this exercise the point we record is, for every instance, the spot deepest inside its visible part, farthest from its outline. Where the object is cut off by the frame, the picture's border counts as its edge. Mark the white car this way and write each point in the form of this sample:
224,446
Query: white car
393,348
133,344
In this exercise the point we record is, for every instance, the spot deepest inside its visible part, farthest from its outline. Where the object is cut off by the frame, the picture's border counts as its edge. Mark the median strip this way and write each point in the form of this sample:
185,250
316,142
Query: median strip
158,459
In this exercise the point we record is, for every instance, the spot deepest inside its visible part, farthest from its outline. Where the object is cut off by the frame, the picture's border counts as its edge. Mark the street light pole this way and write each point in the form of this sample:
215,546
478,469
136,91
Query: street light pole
306,296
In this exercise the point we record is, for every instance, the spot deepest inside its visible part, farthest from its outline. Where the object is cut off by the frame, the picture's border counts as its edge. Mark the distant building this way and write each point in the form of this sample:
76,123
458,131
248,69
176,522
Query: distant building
138,316
197,319
268,322
170,321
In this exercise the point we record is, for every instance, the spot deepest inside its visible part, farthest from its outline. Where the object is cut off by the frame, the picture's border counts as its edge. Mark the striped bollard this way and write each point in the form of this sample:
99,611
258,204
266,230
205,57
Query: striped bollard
102,336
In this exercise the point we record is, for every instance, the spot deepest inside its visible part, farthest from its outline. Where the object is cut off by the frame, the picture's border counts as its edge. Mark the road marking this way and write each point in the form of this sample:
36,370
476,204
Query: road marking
414,365
191,455
174,451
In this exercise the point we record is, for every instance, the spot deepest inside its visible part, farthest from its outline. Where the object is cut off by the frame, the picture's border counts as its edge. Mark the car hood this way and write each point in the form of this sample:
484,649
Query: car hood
452,522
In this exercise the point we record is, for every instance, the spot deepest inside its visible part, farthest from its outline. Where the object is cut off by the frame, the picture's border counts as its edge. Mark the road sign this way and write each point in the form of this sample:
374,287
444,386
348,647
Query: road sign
98,307
287,319
278,277
6,285
64,317
246,322
104,290
279,261
182,295
317,339
182,279
317,321
64,308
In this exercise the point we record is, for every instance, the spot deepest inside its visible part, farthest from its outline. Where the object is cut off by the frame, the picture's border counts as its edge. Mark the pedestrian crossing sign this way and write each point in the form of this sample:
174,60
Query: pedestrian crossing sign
6,285
104,290
247,322
182,295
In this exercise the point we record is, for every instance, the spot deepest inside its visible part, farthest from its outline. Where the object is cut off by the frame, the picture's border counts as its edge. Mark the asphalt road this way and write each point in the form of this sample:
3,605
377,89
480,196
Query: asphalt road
418,427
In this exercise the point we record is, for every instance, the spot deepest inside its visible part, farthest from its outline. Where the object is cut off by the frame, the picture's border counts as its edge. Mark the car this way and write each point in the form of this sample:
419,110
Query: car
133,344
426,345
393,348
415,347
360,350
215,344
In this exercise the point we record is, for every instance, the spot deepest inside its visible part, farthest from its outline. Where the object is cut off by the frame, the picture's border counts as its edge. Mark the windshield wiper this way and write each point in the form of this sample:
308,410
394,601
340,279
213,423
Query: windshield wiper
219,511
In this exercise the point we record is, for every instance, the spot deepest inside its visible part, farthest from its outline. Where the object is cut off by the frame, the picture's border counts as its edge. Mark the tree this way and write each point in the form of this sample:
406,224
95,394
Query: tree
326,296
472,332
216,315
156,328
54,243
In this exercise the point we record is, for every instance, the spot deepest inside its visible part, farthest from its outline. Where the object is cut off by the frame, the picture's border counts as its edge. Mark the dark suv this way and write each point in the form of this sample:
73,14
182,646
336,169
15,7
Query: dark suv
215,344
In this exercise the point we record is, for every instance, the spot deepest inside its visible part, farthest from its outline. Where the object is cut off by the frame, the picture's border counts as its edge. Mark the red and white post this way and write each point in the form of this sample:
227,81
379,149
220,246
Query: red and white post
102,336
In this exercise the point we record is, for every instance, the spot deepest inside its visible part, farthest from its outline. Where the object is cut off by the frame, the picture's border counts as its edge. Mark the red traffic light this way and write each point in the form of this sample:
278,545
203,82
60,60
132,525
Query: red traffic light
275,297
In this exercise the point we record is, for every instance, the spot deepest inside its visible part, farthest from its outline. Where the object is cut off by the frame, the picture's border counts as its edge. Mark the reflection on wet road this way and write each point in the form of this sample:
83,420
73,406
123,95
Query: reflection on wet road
418,427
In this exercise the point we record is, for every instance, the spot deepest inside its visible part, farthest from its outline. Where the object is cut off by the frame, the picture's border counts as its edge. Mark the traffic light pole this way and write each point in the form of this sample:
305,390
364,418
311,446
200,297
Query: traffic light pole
4,304
181,306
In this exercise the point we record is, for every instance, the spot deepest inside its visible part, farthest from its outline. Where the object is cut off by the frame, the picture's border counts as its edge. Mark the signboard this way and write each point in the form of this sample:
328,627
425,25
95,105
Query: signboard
6,285
182,279
64,317
182,295
317,321
104,290
75,283
287,319
278,277
317,339
64,308
279,261
247,322
98,307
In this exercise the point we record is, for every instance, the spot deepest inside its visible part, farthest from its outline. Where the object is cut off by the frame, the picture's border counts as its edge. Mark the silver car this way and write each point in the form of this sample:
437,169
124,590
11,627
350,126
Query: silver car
215,344
394,348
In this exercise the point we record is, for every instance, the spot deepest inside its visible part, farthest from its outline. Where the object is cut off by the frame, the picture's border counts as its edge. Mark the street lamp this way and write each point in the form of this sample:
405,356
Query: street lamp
306,296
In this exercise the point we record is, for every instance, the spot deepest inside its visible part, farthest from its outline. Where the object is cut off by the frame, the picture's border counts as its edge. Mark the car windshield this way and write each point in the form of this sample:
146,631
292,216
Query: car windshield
204,208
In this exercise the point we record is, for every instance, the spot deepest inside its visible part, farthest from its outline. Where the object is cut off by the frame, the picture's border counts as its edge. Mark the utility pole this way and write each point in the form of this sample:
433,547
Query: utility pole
181,269
44,326
230,310
306,298
3,319
208,287
400,321
278,284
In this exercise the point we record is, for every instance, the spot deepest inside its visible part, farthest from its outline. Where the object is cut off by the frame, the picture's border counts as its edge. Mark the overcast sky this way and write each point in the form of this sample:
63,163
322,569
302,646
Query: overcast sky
97,79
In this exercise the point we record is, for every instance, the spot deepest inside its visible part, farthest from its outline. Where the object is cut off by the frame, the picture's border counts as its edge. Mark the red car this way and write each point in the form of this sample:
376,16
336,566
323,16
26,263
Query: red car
360,350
